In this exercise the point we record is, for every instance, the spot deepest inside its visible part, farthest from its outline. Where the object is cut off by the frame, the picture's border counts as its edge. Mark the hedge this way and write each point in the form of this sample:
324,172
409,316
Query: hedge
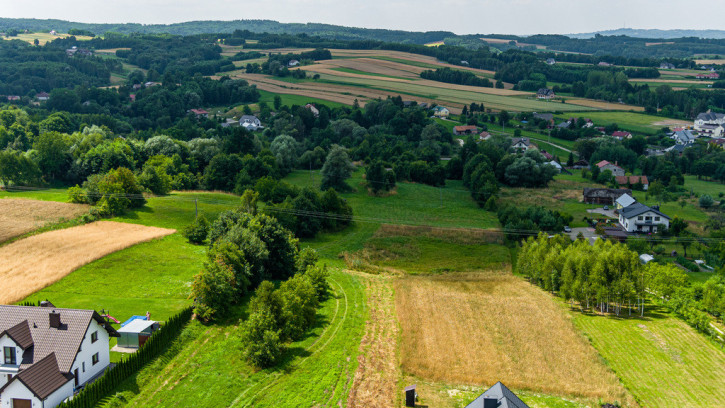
93,393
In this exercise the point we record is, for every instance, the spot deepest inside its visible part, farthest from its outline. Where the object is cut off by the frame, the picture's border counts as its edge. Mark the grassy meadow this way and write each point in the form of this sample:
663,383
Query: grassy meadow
659,358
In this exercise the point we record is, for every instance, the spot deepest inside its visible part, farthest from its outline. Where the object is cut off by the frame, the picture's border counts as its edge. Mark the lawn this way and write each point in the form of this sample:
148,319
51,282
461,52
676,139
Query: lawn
713,188
410,204
660,359
299,100
205,367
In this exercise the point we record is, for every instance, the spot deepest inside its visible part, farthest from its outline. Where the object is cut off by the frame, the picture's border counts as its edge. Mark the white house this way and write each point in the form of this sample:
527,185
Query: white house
683,137
48,352
250,122
555,165
640,218
708,118
521,143
441,112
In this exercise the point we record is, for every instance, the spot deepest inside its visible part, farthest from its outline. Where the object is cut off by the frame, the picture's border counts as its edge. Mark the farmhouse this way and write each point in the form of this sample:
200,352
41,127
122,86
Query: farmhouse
49,352
545,93
483,136
497,396
293,63
250,122
311,108
633,180
199,113
706,122
606,196
620,135
465,130
13,97
43,96
521,143
711,130
667,65
605,165
640,218
550,61
709,75
441,112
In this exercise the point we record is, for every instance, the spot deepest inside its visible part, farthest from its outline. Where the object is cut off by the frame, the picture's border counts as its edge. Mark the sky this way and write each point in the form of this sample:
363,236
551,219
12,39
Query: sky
459,16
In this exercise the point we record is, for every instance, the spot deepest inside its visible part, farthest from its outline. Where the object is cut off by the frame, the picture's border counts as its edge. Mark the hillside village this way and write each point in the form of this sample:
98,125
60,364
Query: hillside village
357,223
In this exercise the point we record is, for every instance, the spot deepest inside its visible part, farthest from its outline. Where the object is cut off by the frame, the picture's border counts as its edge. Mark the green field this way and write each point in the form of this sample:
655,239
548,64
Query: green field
357,71
712,188
299,100
205,367
410,204
660,359
631,121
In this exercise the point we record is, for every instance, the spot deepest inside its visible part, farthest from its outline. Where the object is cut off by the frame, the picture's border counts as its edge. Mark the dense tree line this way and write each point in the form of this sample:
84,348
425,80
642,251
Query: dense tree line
453,76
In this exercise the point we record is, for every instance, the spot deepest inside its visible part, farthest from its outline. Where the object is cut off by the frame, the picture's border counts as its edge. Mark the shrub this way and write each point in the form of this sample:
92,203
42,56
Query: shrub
213,290
299,307
689,265
260,339
197,231
317,276
706,201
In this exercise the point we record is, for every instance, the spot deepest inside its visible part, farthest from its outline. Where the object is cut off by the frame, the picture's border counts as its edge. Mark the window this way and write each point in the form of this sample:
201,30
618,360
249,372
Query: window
657,218
94,337
9,353
639,218
83,366
94,359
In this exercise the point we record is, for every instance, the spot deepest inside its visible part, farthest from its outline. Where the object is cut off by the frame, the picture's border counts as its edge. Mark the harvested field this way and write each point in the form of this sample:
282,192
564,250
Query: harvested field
672,122
33,263
377,371
111,50
19,216
710,61
649,44
403,56
484,327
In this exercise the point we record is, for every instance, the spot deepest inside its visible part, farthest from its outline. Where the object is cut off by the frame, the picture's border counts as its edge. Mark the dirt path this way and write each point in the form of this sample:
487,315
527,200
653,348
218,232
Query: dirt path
376,378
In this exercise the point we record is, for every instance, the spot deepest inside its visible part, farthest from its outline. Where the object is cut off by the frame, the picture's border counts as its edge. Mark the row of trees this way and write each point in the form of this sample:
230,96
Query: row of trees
454,76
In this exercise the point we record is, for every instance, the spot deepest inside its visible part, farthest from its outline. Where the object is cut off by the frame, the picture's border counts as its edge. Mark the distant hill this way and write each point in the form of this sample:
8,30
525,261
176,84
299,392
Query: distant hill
257,26
659,34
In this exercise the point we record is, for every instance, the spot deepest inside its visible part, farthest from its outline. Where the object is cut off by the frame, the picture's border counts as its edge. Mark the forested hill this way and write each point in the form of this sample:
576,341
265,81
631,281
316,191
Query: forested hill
653,33
204,27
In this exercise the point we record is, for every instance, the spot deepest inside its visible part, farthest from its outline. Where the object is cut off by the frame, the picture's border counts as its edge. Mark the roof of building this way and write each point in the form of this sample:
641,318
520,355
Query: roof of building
605,163
622,180
63,341
199,112
564,125
465,128
440,108
684,135
625,200
544,116
137,326
517,140
545,91
42,95
20,334
638,209
620,133
499,392
710,116
44,377
248,118
613,193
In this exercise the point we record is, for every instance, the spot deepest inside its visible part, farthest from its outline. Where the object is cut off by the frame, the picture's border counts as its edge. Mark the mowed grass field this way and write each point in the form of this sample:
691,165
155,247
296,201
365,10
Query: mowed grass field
20,216
205,368
488,326
410,204
43,37
632,121
35,262
660,359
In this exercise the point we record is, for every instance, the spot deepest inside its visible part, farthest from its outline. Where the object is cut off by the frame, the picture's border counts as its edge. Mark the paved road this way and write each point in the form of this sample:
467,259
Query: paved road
587,232
609,213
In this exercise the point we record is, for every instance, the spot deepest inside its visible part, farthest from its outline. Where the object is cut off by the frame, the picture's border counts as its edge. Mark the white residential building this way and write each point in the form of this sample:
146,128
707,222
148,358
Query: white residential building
708,118
48,352
640,218
250,122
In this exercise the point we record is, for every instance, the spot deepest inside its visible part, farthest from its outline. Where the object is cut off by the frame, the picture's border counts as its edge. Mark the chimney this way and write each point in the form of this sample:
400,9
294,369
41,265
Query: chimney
490,402
54,319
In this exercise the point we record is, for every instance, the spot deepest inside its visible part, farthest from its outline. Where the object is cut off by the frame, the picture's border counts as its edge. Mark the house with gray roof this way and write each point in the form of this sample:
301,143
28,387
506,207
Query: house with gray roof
641,218
624,201
683,137
709,118
498,396
49,352
250,122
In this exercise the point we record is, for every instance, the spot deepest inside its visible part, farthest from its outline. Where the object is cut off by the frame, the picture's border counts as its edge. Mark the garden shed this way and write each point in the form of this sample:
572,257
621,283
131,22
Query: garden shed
136,332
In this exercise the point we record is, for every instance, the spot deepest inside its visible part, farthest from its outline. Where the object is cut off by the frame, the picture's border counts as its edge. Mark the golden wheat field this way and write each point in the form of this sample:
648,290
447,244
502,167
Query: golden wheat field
19,216
480,328
33,263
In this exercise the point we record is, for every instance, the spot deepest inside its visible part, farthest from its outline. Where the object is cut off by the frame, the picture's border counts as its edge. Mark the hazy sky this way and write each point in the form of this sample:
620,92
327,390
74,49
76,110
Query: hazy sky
459,16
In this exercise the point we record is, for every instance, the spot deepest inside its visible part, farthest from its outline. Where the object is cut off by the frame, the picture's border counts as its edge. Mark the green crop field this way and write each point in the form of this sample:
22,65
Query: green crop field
357,71
660,359
299,100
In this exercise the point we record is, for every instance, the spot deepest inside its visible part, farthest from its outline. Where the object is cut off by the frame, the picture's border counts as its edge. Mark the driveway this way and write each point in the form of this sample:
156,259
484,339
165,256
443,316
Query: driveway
587,232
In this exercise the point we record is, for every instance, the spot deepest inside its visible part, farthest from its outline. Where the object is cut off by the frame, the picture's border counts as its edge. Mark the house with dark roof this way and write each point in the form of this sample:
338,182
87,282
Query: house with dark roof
667,65
498,396
606,196
708,120
521,143
250,122
545,93
620,135
43,96
48,352
641,218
